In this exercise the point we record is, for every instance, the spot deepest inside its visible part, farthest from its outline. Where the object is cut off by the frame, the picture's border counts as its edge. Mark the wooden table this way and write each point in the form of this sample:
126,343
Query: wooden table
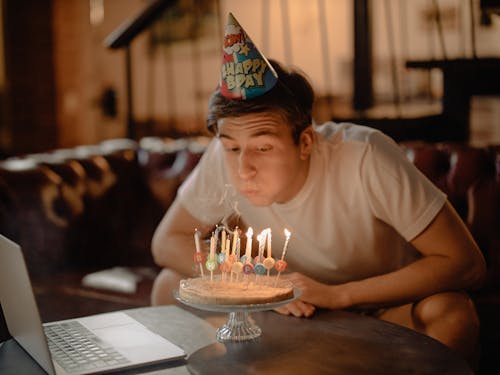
331,342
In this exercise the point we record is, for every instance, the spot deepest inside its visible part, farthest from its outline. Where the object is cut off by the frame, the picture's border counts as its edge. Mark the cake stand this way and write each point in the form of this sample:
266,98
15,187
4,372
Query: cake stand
239,325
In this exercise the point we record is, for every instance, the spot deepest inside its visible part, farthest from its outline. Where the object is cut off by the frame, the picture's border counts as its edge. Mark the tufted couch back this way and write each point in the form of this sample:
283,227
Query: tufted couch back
91,207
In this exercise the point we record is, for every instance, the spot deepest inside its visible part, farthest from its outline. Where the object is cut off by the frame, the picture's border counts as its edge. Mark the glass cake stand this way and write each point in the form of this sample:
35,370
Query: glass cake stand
239,325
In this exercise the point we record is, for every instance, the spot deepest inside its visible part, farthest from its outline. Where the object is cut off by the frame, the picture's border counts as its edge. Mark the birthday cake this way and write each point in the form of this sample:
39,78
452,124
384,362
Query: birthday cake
203,290
236,279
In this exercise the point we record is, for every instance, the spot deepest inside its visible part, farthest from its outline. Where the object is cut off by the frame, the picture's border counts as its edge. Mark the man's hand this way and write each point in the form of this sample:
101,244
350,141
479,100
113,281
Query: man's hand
314,294
297,308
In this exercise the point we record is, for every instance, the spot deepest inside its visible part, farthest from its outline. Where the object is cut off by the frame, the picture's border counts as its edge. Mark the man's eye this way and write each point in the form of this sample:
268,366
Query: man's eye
232,149
265,148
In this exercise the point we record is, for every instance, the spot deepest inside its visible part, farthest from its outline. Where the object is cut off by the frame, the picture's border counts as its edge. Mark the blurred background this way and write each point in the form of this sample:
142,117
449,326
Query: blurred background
75,72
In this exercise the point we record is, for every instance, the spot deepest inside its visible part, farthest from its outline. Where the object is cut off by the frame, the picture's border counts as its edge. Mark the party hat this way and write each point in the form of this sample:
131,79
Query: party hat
245,72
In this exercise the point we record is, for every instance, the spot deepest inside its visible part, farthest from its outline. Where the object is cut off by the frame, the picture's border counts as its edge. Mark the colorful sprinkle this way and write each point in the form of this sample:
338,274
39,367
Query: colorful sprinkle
210,264
221,258
268,263
259,269
243,259
237,267
225,267
248,268
281,265
198,257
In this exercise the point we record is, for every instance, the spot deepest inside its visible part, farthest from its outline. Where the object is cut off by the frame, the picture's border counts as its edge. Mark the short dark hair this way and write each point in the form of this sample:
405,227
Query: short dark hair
292,97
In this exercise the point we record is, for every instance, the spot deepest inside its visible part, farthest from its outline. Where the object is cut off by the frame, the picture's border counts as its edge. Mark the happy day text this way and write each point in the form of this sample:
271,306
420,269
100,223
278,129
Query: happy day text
245,74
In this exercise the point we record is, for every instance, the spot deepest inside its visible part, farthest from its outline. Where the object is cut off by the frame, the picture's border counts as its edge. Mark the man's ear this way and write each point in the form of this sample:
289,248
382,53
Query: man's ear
306,142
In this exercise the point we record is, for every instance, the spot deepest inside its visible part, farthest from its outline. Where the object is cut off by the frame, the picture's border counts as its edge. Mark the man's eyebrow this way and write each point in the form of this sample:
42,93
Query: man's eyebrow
263,132
222,135
257,133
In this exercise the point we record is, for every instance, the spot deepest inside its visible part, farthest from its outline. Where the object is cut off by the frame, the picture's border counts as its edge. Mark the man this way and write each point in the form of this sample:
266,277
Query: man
369,231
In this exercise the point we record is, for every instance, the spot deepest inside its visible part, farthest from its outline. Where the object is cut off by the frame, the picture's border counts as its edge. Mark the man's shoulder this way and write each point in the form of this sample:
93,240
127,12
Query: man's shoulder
345,132
351,143
350,138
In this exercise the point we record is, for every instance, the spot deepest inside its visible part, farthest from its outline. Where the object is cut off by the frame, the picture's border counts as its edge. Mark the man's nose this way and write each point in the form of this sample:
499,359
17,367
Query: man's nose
246,166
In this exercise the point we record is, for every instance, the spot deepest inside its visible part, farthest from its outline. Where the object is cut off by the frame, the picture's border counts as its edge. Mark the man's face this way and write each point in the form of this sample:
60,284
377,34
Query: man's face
263,162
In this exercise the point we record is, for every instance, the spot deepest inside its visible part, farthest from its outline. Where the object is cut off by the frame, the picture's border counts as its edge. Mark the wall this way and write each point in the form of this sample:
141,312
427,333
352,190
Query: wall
411,28
2,55
27,102
172,82
4,131
180,96
175,68
171,86
84,68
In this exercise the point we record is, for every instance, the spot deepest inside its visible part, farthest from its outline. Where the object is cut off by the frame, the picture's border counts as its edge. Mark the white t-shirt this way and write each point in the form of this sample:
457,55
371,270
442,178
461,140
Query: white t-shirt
362,202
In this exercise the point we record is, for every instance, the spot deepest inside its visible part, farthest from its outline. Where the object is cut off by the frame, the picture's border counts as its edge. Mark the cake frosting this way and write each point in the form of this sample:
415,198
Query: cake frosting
219,291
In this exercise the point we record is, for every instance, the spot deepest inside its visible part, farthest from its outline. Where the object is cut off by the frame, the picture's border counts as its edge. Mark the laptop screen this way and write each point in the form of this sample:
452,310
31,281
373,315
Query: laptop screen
19,306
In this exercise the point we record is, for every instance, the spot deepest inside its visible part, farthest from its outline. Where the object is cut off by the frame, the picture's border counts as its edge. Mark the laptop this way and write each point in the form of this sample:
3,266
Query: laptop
94,344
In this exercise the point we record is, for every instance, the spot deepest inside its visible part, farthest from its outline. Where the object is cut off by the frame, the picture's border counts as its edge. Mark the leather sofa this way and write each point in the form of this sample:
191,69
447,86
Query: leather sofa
90,208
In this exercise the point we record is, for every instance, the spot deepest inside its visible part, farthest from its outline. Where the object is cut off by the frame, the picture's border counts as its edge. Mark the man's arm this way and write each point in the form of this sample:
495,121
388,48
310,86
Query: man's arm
173,243
451,260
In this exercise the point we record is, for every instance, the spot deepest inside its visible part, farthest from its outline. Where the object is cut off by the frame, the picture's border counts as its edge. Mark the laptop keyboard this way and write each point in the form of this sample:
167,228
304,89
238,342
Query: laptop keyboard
76,349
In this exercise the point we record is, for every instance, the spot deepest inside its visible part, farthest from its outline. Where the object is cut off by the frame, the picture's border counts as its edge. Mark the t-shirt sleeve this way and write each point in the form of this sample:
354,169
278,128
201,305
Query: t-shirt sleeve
202,193
399,194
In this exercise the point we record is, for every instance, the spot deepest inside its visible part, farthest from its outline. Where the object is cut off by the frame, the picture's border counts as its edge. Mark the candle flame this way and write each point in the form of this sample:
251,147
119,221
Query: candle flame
250,232
287,233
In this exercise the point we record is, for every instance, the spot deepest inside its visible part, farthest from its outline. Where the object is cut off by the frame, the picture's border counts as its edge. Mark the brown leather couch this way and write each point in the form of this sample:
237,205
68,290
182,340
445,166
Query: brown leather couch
94,207
90,208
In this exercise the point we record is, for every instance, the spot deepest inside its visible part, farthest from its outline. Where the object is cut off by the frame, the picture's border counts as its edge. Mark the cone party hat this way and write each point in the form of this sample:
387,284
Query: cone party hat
245,72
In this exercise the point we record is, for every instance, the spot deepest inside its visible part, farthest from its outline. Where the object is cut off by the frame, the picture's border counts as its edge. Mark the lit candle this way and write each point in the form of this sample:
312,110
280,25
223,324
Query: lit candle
211,263
212,247
237,266
197,240
281,264
236,235
262,240
223,241
198,248
269,261
248,249
268,242
285,246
